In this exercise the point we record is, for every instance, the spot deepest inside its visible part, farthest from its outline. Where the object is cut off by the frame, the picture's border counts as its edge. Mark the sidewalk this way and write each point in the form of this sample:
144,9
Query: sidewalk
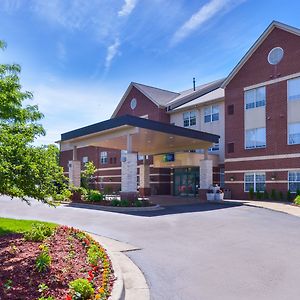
277,206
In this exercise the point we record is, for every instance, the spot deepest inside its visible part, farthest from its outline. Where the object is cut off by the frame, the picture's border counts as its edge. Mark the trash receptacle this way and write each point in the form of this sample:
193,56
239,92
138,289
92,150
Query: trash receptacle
227,194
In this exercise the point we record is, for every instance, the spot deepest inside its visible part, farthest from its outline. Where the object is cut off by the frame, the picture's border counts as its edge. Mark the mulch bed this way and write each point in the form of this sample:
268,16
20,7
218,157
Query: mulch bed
19,278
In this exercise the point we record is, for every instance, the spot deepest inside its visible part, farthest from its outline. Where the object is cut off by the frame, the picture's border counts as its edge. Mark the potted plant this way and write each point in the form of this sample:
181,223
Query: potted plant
210,195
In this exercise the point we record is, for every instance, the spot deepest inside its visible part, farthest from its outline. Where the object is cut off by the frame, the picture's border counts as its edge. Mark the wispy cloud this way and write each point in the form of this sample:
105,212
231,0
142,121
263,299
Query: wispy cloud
127,8
204,14
112,51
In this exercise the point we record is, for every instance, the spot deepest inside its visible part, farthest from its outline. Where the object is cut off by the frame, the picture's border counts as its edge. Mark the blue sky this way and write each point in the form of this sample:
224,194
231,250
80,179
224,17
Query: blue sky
78,57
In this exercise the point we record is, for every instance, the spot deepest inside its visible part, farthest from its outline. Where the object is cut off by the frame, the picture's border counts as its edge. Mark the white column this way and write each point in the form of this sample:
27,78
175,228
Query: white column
206,173
129,173
144,176
74,172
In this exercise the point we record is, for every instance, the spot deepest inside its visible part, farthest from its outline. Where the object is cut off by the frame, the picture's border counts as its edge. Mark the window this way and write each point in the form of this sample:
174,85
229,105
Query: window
255,138
85,159
294,89
215,147
103,157
294,181
211,113
257,181
255,98
230,109
230,147
294,133
189,118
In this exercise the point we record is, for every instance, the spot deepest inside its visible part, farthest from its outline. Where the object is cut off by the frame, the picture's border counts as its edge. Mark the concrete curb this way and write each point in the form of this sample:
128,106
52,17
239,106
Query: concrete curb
112,208
131,283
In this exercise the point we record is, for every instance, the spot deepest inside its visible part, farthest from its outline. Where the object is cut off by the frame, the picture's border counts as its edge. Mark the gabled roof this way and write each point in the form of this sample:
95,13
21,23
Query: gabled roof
158,96
214,95
189,95
273,25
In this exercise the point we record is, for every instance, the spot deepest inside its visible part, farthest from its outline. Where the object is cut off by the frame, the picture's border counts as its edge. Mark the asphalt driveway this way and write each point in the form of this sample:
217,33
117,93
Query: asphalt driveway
196,252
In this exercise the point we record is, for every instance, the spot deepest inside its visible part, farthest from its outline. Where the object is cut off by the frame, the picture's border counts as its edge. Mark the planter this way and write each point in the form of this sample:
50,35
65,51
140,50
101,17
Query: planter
210,196
219,196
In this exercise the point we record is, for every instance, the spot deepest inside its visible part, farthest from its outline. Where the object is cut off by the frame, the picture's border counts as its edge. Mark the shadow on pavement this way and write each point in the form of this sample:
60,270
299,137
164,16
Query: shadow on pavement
171,210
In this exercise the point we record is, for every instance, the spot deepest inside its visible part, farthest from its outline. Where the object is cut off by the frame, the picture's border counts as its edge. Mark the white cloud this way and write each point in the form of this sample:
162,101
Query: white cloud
204,14
112,51
127,8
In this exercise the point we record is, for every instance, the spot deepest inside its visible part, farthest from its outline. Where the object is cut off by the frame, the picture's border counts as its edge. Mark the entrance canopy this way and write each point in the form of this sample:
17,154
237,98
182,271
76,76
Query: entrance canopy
147,137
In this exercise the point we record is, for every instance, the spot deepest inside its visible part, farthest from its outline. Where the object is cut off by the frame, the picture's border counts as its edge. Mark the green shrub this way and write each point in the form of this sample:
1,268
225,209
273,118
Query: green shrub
46,298
94,255
274,195
43,261
258,195
115,202
266,195
38,232
138,203
297,200
65,195
95,196
298,192
124,203
251,193
81,289
281,196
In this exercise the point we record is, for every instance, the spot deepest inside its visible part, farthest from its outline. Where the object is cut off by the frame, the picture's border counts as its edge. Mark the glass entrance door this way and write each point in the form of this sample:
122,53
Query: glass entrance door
186,182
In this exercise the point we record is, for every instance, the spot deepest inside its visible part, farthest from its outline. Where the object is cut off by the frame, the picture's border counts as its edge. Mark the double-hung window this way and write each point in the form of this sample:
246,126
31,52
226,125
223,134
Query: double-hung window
293,89
103,157
257,181
189,118
255,98
293,133
255,138
294,181
211,113
85,159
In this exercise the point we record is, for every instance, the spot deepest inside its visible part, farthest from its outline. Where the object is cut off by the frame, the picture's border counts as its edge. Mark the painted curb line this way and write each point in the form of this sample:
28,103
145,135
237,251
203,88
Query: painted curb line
131,283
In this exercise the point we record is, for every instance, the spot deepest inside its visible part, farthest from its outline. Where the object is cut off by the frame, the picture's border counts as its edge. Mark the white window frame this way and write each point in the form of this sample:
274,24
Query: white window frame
85,159
255,145
256,180
211,113
294,97
256,102
288,136
103,158
189,118
296,181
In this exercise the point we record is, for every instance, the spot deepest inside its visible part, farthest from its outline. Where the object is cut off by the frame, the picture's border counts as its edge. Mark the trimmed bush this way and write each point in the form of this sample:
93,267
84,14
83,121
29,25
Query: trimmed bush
297,200
115,202
266,195
274,195
251,193
95,196
38,232
81,289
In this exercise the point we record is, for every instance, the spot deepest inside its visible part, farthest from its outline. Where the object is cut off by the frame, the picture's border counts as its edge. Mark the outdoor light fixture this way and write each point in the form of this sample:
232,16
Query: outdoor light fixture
273,177
232,178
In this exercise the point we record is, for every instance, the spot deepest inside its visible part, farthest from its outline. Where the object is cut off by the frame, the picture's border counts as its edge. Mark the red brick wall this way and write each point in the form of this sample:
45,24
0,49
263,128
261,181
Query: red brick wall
257,70
144,107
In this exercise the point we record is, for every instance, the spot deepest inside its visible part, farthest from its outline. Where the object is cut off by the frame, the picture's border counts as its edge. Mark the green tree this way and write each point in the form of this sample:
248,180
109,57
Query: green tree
26,171
87,175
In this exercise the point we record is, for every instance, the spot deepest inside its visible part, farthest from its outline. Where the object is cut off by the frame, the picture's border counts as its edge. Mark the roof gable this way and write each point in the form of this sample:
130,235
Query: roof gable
158,96
259,41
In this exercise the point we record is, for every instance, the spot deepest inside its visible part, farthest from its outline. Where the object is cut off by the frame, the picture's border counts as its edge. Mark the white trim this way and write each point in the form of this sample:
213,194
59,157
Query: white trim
267,181
254,47
263,157
288,77
263,170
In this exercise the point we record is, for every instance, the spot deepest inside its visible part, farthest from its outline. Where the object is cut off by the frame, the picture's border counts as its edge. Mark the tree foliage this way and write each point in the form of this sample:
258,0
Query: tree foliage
25,170
87,175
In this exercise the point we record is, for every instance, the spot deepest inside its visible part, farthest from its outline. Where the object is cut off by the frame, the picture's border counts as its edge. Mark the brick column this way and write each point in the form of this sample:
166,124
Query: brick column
129,177
206,177
145,180
74,172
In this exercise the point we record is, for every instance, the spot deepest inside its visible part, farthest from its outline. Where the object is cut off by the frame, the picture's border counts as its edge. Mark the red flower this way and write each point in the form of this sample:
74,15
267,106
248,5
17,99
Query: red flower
68,297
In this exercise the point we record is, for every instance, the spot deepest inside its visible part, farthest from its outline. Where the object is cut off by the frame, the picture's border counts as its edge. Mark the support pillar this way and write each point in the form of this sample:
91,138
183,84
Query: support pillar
145,180
74,169
206,177
129,177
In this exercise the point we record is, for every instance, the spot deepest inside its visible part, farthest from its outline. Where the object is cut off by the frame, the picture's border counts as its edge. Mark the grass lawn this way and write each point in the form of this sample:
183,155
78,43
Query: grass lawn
18,226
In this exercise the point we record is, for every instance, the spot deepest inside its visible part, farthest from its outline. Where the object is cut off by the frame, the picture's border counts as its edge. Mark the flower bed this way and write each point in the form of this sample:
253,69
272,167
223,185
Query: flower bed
68,264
